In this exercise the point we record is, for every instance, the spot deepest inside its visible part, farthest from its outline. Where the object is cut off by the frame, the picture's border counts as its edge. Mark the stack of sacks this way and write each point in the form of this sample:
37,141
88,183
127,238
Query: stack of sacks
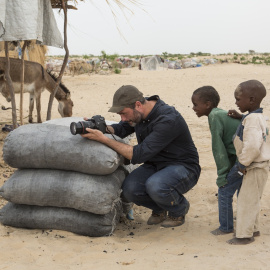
63,181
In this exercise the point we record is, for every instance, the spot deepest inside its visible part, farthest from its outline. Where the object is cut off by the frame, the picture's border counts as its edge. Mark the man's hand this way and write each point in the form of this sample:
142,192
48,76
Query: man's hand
94,134
109,129
121,148
234,114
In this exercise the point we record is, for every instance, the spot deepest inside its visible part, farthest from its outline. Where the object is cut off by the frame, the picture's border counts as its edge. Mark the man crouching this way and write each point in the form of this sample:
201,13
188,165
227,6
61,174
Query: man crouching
170,159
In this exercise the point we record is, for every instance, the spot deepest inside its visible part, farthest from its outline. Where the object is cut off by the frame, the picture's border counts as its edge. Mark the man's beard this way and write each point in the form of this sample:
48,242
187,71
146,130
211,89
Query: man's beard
137,118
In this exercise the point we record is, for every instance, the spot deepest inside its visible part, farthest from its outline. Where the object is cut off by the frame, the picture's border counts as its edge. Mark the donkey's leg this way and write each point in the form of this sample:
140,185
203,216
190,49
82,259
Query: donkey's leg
31,107
38,105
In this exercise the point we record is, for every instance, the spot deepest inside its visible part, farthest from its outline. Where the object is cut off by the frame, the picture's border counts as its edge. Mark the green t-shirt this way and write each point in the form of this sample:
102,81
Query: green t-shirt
222,128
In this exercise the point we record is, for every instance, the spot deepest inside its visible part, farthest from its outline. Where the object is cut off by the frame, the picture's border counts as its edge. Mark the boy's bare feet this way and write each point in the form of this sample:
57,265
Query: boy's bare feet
255,234
241,241
219,232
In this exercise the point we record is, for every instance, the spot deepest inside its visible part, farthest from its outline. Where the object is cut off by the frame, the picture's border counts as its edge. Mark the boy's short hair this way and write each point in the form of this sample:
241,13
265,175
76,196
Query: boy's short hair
254,88
208,93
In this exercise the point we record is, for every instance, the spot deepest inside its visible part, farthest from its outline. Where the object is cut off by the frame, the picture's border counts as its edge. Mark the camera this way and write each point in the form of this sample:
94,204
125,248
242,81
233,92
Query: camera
96,122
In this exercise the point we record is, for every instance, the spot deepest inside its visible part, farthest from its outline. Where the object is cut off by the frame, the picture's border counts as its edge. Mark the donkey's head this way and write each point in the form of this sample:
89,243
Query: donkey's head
63,97
3,86
65,103
65,107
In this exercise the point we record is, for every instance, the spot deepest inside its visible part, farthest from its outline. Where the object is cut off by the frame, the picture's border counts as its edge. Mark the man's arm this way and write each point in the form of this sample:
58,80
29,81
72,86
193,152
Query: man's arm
122,129
121,148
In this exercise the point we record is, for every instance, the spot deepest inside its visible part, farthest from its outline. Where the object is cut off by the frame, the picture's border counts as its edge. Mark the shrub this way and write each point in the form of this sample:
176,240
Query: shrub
112,56
267,61
254,58
116,64
117,71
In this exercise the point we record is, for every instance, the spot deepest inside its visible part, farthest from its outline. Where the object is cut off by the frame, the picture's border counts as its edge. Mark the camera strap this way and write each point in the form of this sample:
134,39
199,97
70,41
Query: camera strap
108,131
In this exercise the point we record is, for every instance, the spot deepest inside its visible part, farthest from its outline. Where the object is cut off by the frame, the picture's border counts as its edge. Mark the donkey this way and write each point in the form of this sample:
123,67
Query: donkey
36,80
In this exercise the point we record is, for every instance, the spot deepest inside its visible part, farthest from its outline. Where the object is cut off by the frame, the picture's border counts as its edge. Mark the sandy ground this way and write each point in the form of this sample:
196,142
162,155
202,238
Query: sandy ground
137,245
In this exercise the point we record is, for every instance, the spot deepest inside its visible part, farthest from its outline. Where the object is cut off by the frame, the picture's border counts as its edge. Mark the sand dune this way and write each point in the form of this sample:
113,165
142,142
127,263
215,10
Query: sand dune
136,245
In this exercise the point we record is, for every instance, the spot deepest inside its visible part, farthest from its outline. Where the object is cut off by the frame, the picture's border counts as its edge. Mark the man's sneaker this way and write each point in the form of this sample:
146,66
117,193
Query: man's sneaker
175,221
157,218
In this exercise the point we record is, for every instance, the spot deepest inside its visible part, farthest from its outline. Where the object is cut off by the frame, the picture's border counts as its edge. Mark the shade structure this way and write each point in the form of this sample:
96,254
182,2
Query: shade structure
29,20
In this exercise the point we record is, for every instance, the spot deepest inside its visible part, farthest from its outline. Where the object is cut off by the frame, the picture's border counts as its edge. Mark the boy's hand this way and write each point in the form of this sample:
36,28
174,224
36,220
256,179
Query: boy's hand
241,168
234,114
242,171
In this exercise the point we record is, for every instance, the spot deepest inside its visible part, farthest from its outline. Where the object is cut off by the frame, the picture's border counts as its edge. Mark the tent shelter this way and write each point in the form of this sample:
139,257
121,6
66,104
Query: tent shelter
152,63
34,21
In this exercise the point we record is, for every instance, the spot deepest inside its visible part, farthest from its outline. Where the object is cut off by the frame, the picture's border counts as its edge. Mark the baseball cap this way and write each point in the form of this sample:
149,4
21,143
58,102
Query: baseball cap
125,96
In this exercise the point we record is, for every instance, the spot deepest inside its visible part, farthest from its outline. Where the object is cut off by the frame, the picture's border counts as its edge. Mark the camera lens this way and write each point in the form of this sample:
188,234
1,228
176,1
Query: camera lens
76,128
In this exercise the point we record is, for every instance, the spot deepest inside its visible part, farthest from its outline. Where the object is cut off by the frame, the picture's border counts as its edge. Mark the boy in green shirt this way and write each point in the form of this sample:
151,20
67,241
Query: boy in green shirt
222,127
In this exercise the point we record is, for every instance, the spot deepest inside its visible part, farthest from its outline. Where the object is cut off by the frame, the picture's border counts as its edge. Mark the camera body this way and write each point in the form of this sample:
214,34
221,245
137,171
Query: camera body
96,122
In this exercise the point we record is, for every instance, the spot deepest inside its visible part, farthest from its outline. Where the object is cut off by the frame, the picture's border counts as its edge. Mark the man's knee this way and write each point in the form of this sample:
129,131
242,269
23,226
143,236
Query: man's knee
155,188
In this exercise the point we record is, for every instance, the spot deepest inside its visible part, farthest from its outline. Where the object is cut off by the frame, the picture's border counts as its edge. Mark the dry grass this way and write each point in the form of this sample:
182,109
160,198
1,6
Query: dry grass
34,52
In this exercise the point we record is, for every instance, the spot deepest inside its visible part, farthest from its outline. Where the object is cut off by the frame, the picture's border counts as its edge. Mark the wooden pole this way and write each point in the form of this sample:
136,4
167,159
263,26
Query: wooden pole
22,83
10,87
64,63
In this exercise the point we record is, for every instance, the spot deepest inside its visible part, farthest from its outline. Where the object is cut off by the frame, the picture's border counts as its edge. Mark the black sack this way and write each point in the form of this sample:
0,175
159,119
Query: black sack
54,218
39,146
43,187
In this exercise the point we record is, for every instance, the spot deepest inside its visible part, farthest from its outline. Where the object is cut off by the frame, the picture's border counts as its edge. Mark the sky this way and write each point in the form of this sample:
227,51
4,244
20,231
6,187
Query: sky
172,26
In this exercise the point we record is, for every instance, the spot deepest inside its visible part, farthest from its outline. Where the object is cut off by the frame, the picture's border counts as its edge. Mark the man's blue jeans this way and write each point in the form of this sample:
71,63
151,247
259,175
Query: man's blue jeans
225,199
159,190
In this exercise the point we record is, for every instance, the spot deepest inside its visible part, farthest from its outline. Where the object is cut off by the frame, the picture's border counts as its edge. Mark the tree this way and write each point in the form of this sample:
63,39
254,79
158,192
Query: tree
103,55
165,55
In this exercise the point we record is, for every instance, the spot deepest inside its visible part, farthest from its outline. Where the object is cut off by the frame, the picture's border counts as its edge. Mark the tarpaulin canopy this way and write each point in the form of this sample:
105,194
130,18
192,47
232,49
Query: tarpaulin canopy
29,20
